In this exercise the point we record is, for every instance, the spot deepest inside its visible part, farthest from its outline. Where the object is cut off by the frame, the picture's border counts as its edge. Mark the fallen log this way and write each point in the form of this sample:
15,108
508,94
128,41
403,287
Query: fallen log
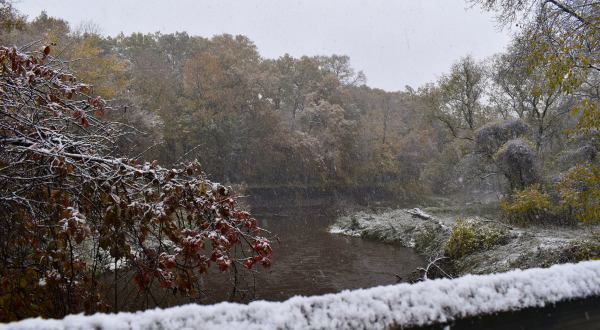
418,213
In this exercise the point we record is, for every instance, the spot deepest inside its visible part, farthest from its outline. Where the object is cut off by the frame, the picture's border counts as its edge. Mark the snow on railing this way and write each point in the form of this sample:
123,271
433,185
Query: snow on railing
375,308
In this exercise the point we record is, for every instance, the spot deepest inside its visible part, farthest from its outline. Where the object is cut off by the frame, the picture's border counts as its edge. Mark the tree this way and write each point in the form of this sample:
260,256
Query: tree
69,209
43,29
523,90
9,17
299,80
92,63
459,97
224,96
559,46
339,66
564,38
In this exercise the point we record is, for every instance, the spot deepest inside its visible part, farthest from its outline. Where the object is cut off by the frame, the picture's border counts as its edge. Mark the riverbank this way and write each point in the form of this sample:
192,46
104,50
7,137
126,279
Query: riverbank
473,244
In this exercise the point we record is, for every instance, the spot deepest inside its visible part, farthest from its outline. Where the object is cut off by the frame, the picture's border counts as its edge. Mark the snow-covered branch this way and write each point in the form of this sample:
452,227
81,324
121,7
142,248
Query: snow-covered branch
66,202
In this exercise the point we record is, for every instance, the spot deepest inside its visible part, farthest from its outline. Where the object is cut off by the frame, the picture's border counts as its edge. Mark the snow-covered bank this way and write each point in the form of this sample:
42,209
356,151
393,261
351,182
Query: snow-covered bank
488,247
376,308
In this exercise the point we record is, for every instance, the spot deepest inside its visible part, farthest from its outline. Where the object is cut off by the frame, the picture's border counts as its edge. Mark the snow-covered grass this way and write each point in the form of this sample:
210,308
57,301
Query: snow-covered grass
375,308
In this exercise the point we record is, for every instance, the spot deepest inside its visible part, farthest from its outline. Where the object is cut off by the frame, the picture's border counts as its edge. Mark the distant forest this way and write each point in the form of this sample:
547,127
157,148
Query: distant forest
309,121
497,125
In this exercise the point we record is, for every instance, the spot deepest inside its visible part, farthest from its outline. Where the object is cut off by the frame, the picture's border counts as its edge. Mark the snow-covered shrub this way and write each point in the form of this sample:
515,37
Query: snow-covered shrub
489,138
68,205
572,157
517,160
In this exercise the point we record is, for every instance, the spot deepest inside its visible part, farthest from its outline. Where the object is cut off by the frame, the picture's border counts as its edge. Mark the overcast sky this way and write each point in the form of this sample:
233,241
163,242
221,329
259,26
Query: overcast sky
395,42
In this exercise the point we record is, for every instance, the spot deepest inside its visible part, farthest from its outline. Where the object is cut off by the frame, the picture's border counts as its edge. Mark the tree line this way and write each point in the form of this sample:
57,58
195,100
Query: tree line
308,121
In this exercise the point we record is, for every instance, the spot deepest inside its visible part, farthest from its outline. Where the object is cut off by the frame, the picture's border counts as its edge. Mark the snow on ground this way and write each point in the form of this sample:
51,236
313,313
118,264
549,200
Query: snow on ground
347,232
513,247
375,308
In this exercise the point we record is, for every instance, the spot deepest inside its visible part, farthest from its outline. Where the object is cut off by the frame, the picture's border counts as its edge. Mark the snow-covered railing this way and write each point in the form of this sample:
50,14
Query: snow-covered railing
375,308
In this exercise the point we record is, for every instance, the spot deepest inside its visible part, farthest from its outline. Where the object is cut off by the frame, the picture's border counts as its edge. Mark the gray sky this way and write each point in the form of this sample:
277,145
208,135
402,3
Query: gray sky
395,42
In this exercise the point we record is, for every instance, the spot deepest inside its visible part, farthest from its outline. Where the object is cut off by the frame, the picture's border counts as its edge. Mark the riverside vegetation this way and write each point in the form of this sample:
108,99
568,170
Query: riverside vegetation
546,193
473,244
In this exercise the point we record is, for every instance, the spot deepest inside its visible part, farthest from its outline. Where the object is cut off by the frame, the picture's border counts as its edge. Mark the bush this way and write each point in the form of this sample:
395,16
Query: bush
579,191
577,198
587,250
528,205
492,136
516,159
469,236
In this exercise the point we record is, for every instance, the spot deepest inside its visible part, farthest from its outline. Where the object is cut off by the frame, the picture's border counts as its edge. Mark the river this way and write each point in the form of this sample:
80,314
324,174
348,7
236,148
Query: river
307,260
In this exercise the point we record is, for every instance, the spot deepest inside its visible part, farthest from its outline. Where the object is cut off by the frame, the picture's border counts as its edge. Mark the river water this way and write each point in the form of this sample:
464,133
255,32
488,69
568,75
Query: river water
308,260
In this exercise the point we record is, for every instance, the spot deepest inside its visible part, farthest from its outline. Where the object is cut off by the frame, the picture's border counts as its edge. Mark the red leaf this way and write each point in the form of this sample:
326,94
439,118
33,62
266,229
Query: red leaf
248,263
99,113
266,262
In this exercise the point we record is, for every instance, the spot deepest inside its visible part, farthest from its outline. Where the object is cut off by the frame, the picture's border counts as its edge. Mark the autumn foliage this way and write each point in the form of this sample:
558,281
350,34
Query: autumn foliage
71,212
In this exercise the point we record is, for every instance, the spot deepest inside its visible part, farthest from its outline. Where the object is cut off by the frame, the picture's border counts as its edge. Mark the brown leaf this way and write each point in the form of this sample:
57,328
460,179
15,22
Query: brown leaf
99,113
